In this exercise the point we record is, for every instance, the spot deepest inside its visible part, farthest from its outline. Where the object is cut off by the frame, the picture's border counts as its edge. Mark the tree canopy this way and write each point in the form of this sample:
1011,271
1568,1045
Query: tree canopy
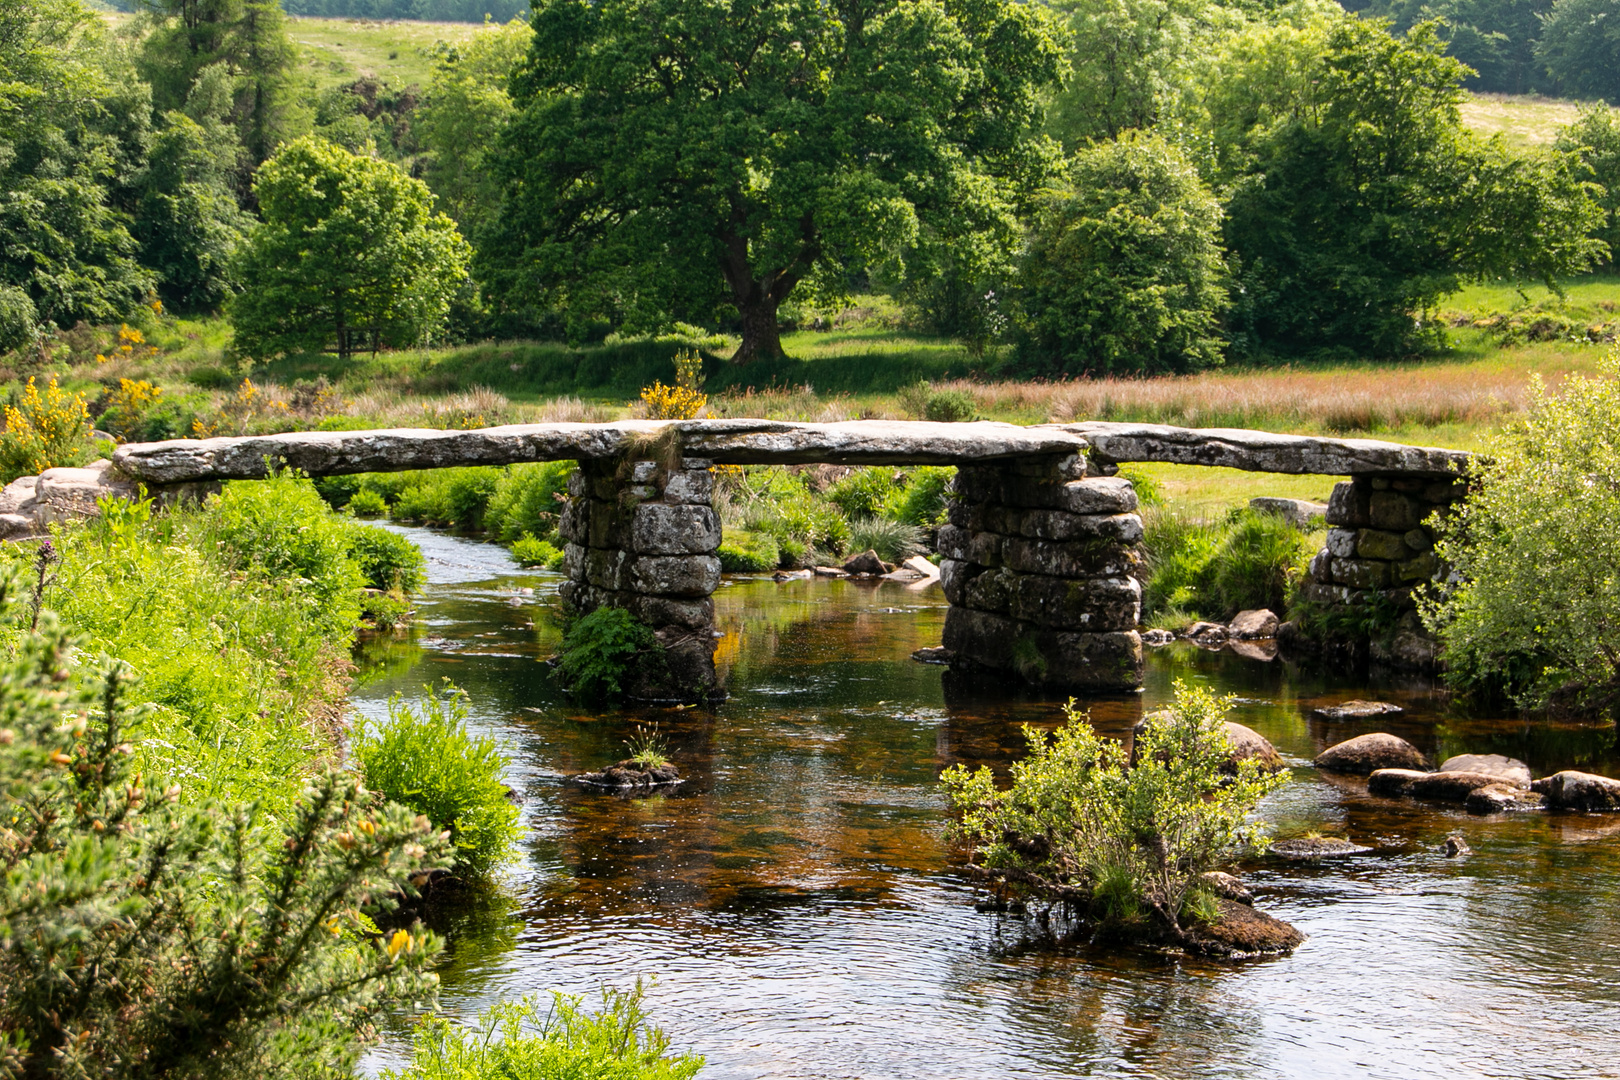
350,255
672,157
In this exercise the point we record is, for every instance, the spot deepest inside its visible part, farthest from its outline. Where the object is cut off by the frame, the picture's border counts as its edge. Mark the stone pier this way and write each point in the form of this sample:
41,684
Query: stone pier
1038,562
642,536
1379,552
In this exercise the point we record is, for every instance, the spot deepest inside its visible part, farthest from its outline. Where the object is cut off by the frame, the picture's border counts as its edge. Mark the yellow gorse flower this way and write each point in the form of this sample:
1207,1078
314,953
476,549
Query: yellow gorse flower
44,429
683,401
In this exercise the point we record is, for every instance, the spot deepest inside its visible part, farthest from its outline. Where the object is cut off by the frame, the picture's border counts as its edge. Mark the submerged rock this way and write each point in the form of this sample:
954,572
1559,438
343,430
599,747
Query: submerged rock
1455,846
1242,931
1366,754
1155,639
627,774
1500,799
1508,770
1573,790
1357,710
1317,847
1264,650
1253,625
1209,635
937,654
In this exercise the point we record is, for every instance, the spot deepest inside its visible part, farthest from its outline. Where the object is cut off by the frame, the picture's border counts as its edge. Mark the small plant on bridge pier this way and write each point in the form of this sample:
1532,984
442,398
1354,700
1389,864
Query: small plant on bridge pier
598,650
1120,846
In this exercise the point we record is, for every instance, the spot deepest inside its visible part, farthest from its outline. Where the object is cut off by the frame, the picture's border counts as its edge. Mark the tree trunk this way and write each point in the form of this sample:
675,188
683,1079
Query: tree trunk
759,334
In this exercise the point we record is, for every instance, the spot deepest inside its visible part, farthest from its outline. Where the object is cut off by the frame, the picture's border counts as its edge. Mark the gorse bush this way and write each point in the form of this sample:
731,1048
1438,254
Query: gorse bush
143,937
535,1040
683,401
426,759
43,430
950,407
598,649
1534,552
1119,843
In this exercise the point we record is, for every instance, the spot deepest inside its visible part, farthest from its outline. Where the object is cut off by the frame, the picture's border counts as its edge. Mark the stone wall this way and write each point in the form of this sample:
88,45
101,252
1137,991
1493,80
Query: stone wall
1039,563
1379,551
643,537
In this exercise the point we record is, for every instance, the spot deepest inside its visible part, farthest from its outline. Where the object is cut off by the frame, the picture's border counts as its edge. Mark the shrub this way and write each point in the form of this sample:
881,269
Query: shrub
525,500
281,527
367,503
683,401
1595,137
532,1040
1124,270
43,431
143,939
451,497
892,540
775,501
1083,826
530,551
598,649
951,406
386,559
863,493
744,552
18,319
428,761
922,501
1259,560
128,405
1533,551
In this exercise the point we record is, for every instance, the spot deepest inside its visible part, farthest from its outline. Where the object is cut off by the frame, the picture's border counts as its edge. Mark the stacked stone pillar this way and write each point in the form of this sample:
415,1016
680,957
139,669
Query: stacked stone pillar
1039,563
1379,550
642,536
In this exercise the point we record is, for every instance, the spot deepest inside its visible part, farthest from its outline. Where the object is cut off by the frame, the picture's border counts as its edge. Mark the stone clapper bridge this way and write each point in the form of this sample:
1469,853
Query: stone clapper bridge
1040,556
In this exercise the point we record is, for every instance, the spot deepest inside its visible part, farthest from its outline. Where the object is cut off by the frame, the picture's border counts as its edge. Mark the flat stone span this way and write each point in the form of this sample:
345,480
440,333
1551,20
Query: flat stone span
772,442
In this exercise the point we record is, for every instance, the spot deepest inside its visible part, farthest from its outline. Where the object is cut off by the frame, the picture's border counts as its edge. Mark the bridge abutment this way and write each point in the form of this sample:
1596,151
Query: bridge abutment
642,536
1038,563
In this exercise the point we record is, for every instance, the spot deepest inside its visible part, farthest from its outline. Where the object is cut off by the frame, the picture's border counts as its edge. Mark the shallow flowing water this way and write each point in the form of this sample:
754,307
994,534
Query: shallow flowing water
794,901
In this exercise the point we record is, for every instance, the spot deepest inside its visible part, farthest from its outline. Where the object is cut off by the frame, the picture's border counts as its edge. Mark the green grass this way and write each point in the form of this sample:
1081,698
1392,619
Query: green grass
1524,120
334,52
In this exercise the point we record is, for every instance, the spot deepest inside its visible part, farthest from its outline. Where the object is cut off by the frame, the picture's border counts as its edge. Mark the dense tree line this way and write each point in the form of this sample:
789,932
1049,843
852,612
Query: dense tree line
1106,185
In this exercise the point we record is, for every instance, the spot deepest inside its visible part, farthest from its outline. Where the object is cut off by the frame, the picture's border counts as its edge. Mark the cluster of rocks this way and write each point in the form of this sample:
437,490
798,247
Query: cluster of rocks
1038,563
1482,783
631,774
868,565
643,536
1379,549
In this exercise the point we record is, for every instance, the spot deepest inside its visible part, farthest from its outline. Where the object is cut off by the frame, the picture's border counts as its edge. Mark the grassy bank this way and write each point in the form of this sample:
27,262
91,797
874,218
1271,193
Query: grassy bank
236,620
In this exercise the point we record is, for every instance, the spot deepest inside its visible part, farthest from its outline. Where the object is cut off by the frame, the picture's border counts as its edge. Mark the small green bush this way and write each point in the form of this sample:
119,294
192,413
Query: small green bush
535,1040
863,493
386,559
525,500
922,501
385,610
367,503
428,761
743,552
892,540
1083,825
597,650
1534,549
282,528
530,551
951,407
1212,571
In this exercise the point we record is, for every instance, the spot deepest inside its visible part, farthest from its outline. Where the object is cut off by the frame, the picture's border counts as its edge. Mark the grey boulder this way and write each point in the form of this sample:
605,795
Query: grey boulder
1366,754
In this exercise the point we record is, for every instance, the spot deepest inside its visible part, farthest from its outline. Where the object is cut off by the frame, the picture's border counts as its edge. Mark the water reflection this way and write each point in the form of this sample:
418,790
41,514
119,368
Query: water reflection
795,902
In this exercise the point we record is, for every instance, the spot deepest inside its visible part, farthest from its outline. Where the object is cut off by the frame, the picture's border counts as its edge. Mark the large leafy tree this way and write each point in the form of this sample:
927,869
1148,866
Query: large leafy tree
672,157
1580,46
1124,273
72,139
1359,199
350,255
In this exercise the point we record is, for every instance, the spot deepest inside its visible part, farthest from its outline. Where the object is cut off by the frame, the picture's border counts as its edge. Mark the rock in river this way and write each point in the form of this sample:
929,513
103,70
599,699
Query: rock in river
867,562
1357,710
1507,770
628,774
1316,847
1248,743
1572,790
1450,787
1366,754
1500,799
1242,931
1253,625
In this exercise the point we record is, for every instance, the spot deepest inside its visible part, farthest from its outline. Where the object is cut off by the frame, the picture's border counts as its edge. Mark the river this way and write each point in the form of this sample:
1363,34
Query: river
792,903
